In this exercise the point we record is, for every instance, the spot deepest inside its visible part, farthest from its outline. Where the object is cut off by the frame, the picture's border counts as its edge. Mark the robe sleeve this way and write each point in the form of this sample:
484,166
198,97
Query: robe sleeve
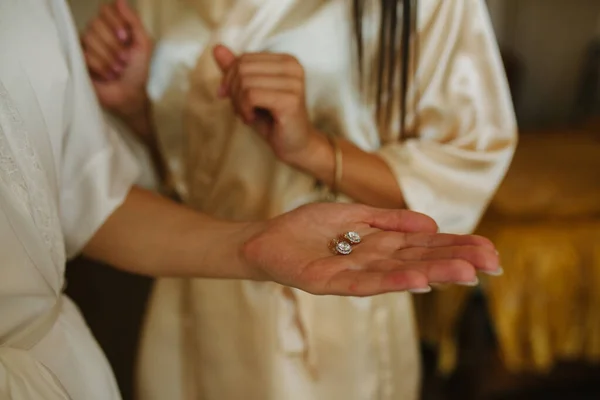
464,117
97,168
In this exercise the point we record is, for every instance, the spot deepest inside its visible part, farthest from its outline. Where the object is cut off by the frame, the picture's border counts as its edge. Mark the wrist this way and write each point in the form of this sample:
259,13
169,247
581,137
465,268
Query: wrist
137,117
232,249
317,157
133,101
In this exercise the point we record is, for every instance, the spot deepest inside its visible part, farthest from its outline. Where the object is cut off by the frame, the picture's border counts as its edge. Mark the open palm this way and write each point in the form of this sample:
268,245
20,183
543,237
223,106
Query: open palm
401,250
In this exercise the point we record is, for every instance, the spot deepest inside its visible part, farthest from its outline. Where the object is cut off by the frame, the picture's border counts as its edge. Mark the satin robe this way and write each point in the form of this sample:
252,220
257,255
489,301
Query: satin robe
62,172
231,340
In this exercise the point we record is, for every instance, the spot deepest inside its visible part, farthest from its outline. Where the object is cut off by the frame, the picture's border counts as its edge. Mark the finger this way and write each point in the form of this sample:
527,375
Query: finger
266,57
436,271
109,40
136,27
446,239
273,101
116,23
447,271
103,59
262,64
246,82
480,257
242,87
365,283
429,240
98,67
224,57
229,76
238,98
398,220
270,64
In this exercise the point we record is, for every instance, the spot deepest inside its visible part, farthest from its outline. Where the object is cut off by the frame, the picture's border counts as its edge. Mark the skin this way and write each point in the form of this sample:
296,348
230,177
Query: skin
401,250
267,91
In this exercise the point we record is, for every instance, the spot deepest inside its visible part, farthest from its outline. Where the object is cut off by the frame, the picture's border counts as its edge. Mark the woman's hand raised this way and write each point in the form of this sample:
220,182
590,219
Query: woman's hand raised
117,52
267,92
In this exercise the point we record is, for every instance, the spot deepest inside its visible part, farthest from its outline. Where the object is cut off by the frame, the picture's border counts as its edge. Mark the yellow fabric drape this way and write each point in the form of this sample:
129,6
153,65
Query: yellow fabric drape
545,221
545,308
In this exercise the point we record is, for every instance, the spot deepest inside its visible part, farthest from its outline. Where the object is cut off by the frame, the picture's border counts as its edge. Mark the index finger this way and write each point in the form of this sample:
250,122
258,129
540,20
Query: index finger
399,220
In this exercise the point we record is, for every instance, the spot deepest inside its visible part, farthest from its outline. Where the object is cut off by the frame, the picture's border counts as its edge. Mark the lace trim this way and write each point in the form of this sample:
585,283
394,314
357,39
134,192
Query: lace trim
29,186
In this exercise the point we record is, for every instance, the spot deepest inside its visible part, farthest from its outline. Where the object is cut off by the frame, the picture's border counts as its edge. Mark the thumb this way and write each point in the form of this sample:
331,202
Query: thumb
224,57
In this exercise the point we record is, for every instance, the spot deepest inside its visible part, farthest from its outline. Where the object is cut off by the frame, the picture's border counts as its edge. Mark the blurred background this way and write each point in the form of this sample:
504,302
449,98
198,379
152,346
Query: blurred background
533,333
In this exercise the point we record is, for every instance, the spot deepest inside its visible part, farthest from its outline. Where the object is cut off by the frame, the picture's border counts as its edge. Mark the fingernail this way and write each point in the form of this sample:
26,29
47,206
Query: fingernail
420,290
222,92
473,283
498,272
122,35
123,57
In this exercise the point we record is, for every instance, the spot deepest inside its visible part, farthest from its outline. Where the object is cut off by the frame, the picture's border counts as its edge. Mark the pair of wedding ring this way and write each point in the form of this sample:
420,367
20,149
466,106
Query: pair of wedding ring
342,245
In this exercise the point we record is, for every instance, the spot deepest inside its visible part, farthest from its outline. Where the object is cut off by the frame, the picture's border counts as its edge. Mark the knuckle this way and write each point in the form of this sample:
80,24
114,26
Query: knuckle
244,58
294,66
243,67
483,241
243,84
291,59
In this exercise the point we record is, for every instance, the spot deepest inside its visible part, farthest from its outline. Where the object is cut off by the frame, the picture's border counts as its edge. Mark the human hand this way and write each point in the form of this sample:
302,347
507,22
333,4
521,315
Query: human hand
267,92
400,250
117,52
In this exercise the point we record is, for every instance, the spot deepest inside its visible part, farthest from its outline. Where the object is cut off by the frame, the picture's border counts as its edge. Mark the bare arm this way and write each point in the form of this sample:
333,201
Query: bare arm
276,83
117,52
141,123
399,250
365,177
151,235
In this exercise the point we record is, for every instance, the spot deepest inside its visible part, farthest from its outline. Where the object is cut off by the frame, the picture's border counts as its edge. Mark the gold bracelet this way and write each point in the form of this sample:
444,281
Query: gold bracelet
337,168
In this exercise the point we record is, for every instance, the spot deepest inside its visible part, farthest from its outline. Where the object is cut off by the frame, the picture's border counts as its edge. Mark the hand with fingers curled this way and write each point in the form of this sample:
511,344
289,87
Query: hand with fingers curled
117,51
267,92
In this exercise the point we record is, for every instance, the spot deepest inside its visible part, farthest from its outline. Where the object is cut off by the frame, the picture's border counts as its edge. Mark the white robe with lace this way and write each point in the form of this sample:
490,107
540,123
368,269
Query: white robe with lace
228,340
61,174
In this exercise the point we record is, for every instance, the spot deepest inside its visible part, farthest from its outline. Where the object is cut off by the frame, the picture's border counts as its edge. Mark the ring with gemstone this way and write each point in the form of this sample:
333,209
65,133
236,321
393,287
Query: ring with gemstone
352,237
340,247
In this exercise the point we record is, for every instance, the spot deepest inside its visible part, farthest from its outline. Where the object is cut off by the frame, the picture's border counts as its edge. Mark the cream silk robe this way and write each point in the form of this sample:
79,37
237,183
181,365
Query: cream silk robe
230,340
61,174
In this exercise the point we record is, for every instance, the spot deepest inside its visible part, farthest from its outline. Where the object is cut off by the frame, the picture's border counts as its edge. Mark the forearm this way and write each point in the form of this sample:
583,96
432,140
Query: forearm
365,177
151,235
141,123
